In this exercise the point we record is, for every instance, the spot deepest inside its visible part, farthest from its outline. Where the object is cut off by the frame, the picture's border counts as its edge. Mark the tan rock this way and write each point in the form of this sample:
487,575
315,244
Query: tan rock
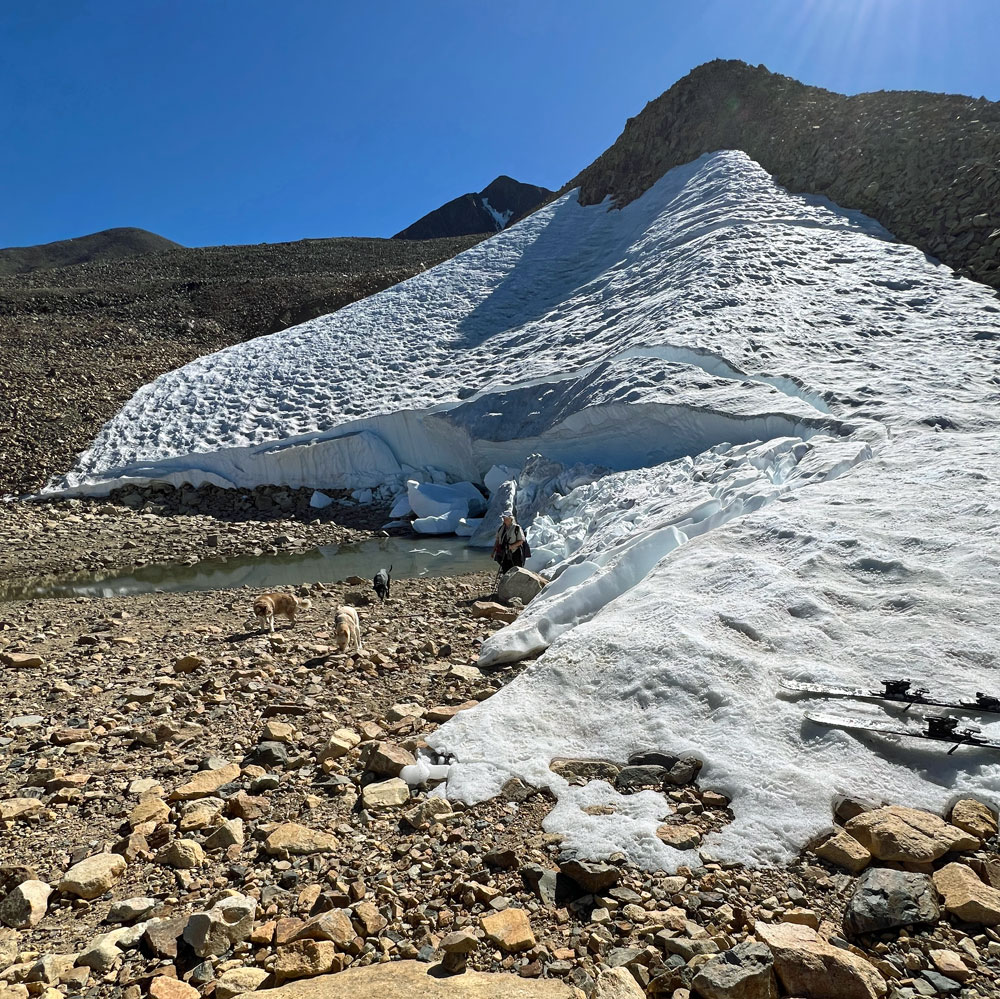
278,731
20,660
231,833
237,981
305,959
334,925
189,663
368,919
809,966
804,917
617,983
951,964
339,744
291,839
510,929
200,814
975,818
682,836
149,810
966,896
163,987
25,905
844,850
428,811
907,834
413,980
183,854
385,794
493,611
94,876
386,758
206,782
19,808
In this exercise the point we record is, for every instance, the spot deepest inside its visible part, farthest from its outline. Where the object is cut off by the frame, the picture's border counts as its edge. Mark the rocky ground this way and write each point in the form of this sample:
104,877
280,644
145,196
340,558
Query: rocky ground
192,807
76,342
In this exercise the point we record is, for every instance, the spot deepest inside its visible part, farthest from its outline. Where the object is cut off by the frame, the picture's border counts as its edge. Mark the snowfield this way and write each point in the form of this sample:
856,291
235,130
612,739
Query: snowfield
768,438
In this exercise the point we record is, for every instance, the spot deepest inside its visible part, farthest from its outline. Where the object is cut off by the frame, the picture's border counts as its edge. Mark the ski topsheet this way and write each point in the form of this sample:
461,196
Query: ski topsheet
898,692
940,729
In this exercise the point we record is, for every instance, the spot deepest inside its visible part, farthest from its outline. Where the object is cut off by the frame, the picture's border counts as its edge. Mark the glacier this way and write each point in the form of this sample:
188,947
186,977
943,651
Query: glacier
757,439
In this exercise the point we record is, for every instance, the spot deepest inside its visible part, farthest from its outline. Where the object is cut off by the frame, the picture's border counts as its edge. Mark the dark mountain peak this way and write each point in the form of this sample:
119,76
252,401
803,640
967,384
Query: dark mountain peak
108,244
925,165
494,208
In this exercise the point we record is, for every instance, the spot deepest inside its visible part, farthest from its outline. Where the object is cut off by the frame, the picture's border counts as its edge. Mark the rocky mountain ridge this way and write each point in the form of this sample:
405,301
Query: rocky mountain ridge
925,165
106,245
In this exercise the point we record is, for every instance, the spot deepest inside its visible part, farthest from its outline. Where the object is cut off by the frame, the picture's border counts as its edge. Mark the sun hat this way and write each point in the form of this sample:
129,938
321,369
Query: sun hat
507,513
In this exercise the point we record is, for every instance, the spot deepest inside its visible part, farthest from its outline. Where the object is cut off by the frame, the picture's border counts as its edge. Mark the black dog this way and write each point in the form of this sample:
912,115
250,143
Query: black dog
381,583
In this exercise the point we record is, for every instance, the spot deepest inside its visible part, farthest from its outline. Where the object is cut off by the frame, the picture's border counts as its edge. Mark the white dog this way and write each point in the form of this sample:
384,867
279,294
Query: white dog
348,629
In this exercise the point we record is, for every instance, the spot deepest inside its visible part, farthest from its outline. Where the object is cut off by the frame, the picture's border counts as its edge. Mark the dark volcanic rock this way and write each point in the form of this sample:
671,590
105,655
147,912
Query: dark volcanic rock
509,199
885,899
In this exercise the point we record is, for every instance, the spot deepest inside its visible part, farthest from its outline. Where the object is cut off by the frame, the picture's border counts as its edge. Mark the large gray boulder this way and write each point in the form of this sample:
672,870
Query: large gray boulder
522,584
745,972
885,899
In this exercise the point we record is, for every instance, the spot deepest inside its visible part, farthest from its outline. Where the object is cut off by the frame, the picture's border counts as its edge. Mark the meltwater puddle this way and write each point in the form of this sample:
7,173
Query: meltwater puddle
408,557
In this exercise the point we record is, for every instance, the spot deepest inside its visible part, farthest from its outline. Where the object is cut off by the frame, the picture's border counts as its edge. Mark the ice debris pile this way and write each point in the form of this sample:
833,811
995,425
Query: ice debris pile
757,439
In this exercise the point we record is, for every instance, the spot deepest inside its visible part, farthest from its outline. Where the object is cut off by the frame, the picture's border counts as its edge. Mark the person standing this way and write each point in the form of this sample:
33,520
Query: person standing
508,549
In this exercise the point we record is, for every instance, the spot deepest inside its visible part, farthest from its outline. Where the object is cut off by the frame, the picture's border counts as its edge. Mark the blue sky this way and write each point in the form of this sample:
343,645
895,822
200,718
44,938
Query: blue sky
244,121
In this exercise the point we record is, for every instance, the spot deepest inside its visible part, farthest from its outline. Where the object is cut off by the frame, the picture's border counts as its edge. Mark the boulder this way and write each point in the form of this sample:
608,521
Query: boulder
230,833
182,854
975,818
809,966
885,899
493,611
305,959
951,965
520,584
385,794
415,980
20,660
386,758
25,906
128,910
427,812
334,925
966,896
236,981
291,839
94,876
845,851
592,876
165,987
206,782
510,930
13,809
151,809
227,923
617,983
909,835
745,972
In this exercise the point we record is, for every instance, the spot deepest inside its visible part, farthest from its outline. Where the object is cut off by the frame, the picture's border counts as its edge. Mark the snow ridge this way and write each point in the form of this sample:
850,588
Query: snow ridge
758,440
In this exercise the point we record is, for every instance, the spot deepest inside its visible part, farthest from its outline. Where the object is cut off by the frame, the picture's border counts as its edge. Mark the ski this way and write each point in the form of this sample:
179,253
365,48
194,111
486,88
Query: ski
899,692
940,729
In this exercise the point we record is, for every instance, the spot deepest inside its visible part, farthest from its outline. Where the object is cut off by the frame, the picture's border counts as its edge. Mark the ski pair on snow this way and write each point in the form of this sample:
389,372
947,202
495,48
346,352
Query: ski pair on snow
941,729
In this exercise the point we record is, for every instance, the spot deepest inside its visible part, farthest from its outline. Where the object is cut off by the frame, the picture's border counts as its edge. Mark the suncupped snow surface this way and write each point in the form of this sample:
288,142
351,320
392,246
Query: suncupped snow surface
764,441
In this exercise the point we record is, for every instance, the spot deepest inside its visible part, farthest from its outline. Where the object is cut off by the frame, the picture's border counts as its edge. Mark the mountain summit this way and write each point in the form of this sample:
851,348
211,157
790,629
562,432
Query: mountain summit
491,210
108,244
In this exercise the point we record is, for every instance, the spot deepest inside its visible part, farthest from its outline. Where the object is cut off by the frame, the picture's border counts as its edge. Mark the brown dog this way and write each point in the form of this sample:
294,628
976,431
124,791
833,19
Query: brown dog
348,629
269,604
